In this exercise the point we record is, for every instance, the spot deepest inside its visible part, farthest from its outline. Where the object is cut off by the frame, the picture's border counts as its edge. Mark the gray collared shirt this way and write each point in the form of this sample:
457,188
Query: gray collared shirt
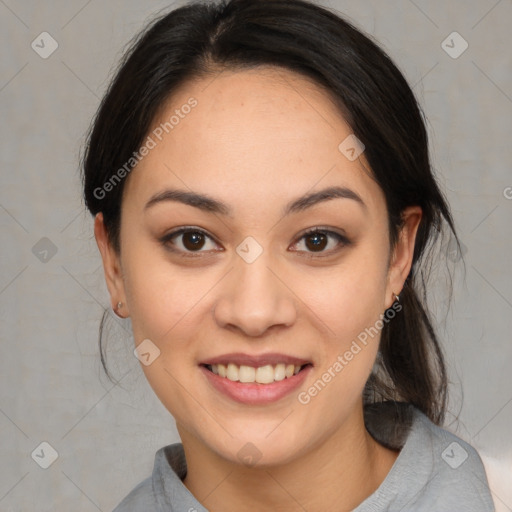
435,471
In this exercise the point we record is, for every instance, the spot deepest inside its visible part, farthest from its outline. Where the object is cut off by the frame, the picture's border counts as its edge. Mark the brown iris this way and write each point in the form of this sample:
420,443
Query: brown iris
193,240
319,241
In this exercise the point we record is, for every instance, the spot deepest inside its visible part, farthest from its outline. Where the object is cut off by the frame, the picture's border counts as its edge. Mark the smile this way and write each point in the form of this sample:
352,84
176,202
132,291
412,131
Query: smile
248,374
255,380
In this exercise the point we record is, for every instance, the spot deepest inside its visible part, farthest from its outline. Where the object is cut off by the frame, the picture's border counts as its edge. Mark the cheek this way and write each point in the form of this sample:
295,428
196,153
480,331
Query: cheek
349,297
167,307
162,297
347,307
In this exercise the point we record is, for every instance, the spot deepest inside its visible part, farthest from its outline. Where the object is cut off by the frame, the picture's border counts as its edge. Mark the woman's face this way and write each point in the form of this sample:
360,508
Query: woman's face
245,282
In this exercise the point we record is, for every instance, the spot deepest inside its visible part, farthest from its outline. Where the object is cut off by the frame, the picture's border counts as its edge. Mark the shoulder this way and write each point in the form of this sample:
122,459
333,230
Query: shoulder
435,469
457,479
140,499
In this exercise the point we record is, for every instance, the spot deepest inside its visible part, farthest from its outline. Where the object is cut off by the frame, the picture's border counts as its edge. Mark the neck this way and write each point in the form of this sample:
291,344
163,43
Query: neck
337,474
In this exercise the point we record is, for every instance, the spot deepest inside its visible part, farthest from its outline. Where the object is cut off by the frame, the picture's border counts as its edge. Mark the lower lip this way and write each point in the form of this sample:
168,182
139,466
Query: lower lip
253,393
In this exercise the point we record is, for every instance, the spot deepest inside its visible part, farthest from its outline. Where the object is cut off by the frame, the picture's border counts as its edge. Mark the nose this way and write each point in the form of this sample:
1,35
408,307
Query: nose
255,298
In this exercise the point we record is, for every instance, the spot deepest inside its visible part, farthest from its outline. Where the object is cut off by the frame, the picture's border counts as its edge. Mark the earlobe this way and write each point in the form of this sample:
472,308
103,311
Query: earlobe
402,258
111,266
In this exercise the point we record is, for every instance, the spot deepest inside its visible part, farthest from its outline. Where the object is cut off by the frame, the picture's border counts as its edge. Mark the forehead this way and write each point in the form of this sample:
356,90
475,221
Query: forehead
259,134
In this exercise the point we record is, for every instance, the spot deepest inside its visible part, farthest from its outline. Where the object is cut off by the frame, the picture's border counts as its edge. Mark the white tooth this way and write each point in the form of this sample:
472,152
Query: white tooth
265,374
279,372
246,374
232,372
262,375
289,370
221,369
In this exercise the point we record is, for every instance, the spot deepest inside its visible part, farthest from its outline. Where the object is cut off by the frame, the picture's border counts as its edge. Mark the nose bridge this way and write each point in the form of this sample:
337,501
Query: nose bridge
255,298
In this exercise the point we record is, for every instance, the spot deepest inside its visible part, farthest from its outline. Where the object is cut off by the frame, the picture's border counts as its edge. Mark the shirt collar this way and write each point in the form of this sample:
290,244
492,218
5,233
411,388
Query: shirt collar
389,423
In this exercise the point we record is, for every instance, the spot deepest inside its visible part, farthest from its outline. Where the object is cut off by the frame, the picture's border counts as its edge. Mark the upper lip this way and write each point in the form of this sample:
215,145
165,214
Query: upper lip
255,361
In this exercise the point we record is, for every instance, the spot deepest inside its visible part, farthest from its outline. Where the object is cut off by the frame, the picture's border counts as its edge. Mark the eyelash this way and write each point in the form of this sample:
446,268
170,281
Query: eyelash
342,241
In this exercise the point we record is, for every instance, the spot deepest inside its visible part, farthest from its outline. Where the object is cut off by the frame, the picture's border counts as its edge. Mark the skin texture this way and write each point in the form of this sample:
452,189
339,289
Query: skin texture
256,140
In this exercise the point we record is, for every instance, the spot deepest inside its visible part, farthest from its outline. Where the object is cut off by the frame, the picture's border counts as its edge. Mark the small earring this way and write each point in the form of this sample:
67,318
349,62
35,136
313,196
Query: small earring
118,306
397,298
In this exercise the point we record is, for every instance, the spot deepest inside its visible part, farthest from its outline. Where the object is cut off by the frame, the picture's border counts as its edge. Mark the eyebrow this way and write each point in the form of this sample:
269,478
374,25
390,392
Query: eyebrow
211,205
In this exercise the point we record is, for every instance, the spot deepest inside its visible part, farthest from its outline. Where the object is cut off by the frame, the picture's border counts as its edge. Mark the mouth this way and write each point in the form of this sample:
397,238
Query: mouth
255,380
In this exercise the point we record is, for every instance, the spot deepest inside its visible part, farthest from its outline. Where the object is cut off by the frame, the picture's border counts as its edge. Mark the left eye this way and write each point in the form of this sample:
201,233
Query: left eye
317,239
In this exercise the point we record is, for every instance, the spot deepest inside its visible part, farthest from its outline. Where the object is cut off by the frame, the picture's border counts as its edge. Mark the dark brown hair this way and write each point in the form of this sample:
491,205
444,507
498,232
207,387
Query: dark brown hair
202,38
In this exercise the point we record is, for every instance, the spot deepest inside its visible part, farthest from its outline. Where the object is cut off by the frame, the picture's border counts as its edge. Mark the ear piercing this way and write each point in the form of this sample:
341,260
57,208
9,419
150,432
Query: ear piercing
396,297
118,306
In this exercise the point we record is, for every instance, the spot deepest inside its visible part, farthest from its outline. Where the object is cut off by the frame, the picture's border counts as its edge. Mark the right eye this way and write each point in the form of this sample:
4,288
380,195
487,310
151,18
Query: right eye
192,241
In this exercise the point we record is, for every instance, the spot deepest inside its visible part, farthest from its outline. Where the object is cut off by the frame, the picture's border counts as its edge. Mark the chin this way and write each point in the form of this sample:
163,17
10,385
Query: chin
259,447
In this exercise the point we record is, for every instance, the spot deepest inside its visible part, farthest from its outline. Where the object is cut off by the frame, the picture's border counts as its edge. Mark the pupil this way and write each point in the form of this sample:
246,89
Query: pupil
196,238
319,242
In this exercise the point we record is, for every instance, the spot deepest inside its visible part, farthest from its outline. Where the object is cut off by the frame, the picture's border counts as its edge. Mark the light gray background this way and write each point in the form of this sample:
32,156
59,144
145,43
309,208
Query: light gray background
51,386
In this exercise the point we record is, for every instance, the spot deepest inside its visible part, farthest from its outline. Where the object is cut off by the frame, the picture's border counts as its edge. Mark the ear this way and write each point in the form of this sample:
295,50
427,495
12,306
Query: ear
111,266
401,259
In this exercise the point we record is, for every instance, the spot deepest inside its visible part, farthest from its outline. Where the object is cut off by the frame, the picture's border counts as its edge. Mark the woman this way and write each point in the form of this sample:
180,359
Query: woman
265,210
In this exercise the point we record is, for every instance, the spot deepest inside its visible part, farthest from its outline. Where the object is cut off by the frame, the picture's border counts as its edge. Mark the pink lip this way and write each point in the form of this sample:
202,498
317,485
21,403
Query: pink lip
240,359
255,394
